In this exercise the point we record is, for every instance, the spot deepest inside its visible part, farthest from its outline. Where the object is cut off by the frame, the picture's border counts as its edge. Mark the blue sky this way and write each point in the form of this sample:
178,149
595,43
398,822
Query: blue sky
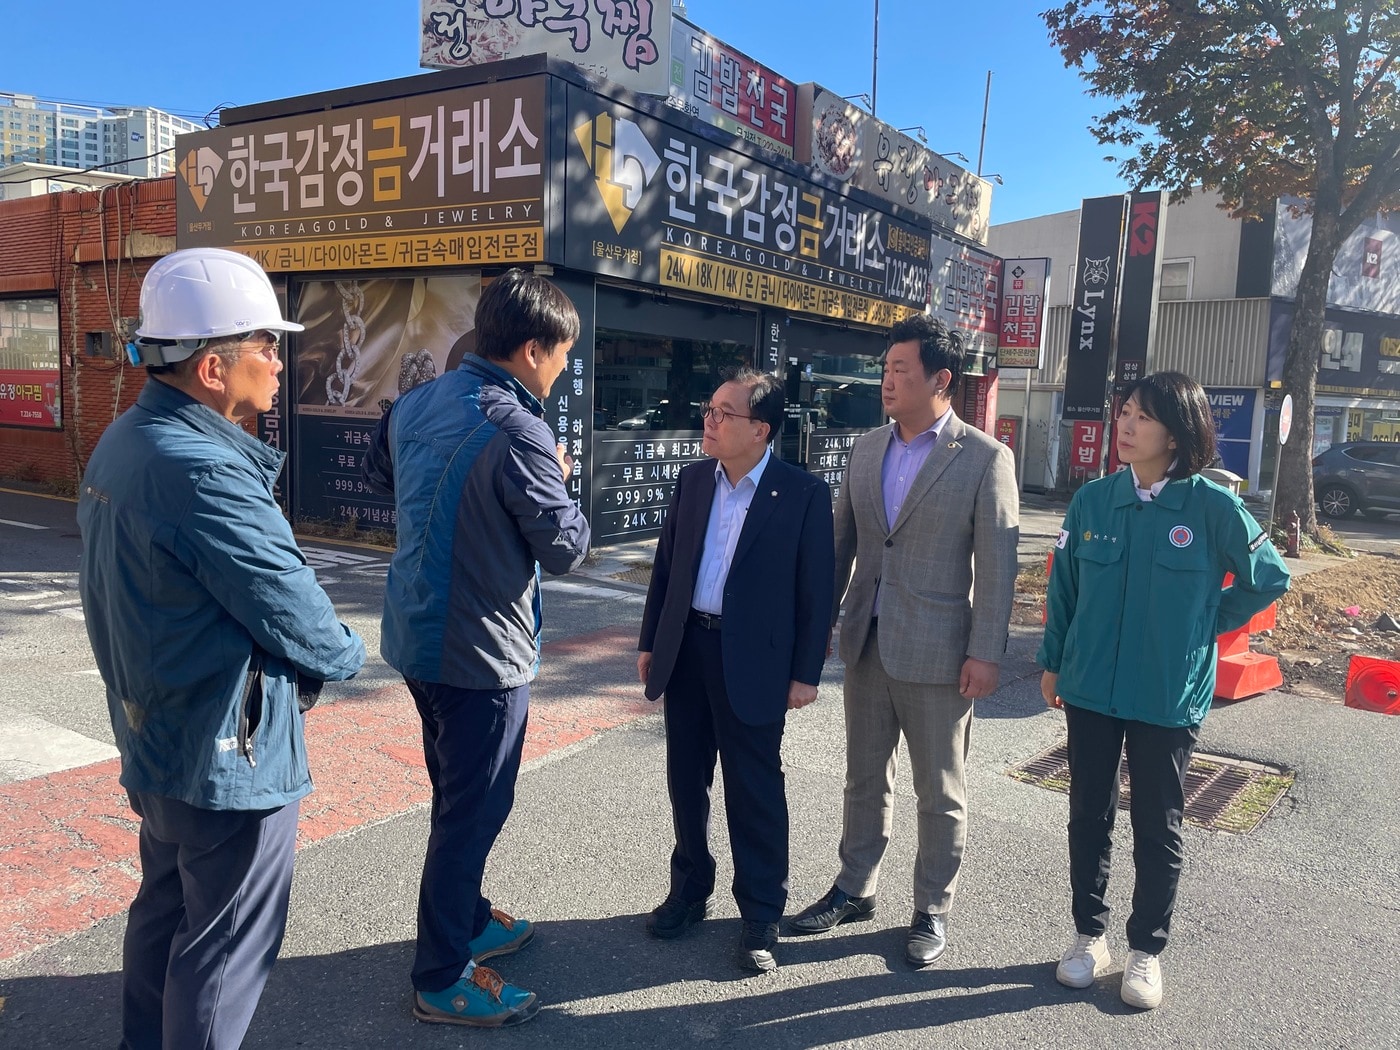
934,58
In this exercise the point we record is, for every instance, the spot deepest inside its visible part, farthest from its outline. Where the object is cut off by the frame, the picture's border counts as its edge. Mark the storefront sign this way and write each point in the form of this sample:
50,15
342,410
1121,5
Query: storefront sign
1093,305
964,293
1024,285
29,398
1086,448
453,178
1137,313
624,41
30,391
828,452
1233,412
1007,429
673,209
843,141
721,86
633,477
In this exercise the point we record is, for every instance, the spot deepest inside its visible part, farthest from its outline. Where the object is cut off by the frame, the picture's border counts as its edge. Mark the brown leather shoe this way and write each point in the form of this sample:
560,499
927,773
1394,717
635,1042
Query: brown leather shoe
831,911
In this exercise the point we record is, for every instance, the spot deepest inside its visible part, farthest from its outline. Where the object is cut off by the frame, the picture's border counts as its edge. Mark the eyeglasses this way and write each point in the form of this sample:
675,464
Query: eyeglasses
267,344
718,415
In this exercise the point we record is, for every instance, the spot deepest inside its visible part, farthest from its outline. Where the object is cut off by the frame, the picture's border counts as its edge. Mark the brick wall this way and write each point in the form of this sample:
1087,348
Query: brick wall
90,250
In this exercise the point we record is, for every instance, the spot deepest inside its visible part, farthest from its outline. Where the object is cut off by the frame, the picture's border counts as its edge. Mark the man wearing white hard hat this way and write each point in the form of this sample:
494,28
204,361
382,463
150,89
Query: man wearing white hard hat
212,637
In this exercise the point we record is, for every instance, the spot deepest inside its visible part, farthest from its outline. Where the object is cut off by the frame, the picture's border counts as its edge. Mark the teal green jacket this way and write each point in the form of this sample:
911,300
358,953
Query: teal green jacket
1135,599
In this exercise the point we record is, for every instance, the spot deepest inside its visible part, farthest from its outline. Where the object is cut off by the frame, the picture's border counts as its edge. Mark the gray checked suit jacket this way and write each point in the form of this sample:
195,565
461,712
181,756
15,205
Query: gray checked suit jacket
961,513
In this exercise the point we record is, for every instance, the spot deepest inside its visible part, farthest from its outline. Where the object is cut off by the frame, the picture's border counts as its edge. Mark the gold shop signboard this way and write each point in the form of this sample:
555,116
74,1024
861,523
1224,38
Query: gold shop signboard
452,178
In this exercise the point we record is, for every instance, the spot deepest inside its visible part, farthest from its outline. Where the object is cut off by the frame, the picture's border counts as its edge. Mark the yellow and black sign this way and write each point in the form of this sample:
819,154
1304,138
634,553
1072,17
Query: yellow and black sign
712,277
450,178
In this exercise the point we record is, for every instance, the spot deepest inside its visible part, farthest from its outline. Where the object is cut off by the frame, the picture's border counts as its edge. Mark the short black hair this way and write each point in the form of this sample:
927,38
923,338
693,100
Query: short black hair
767,399
939,346
1179,403
517,307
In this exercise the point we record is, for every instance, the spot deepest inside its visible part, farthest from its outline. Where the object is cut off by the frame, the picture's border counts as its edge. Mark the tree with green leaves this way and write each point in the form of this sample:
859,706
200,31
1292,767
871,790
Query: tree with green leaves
1257,100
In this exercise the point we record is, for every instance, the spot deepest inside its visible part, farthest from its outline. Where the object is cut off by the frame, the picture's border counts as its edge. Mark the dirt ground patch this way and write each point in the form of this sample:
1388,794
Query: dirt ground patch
1328,615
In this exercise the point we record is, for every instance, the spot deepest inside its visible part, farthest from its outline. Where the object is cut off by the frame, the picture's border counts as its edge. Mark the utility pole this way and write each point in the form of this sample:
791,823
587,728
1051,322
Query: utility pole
875,60
982,141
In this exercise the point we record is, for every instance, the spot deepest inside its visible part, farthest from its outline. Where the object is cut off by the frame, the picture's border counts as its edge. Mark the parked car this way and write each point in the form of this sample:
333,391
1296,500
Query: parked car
1358,476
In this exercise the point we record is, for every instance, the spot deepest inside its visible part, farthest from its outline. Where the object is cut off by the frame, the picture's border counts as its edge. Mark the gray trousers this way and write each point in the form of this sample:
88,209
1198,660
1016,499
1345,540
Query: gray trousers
206,924
936,722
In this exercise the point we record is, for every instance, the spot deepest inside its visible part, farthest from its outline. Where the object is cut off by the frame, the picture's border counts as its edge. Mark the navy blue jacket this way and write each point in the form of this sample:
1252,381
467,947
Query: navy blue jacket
482,507
777,597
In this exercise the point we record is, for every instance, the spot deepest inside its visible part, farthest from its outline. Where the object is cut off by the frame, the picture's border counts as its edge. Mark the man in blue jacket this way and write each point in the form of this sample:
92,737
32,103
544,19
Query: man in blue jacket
212,637
479,485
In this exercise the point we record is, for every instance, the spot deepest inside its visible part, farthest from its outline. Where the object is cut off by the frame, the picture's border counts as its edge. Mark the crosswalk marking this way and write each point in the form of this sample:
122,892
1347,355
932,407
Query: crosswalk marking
24,525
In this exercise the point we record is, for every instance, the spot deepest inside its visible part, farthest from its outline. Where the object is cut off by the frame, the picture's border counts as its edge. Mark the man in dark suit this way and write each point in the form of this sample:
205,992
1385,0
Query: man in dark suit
735,634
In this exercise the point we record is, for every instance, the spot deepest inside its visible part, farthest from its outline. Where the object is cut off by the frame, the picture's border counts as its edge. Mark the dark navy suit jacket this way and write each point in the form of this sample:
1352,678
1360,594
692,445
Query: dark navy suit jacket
777,596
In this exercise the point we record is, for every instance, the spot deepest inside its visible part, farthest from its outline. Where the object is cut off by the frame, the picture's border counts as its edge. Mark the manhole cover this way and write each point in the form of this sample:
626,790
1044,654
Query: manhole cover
1223,794
640,574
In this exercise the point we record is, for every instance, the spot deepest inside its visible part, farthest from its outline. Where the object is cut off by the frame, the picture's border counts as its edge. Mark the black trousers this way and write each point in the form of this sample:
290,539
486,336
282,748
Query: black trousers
1158,757
700,724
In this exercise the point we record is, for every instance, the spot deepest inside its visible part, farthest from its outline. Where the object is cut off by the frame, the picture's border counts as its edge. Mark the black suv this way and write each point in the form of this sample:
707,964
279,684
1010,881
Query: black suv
1358,475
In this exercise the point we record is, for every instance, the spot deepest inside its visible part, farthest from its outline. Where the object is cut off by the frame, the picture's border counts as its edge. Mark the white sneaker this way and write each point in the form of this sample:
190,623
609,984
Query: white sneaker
1142,981
1084,960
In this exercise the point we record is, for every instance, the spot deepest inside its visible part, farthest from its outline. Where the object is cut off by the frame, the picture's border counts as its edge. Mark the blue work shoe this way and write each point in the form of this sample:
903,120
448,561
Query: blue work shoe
502,936
480,999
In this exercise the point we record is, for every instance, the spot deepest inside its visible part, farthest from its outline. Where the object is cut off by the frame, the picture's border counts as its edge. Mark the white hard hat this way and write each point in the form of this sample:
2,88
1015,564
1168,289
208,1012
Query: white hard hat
198,294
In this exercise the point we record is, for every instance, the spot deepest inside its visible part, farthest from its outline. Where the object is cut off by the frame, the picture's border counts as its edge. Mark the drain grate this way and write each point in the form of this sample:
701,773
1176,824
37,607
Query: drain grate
1222,794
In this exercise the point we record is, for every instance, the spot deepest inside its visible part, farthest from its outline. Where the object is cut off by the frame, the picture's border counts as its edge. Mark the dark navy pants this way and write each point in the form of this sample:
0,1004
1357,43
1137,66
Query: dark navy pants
1158,757
472,741
206,924
700,723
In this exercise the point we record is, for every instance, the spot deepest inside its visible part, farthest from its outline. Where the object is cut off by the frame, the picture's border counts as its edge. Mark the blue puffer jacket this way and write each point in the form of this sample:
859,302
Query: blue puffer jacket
481,508
201,609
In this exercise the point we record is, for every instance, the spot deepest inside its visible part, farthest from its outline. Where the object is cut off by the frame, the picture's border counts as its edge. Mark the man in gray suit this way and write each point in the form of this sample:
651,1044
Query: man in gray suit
926,500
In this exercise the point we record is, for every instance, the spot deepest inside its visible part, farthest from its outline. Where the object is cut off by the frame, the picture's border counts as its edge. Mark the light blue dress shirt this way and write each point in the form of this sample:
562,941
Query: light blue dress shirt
727,512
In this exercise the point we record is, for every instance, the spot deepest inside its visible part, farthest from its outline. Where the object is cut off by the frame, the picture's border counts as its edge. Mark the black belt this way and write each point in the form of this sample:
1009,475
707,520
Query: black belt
709,621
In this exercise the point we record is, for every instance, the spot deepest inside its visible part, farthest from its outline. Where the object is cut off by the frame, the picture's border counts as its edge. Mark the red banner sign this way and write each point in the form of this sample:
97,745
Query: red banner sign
29,398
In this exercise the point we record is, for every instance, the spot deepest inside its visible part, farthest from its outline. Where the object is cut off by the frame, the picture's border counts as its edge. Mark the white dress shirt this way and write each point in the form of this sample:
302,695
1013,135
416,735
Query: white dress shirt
727,512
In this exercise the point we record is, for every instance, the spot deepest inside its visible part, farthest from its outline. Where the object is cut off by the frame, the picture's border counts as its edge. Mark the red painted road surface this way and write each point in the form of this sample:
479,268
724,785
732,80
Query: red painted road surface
68,855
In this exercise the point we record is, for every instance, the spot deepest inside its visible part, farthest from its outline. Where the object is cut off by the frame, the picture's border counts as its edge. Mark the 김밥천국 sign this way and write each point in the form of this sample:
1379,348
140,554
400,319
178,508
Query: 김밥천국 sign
846,143
453,178
717,84
625,41
672,208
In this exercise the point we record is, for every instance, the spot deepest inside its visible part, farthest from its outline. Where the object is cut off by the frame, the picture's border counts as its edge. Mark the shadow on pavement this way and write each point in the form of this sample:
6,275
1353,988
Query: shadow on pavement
625,983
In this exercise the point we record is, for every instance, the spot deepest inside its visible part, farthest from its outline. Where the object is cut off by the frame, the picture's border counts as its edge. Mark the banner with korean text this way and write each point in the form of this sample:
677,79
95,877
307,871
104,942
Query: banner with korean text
964,285
625,41
452,178
656,203
1024,286
713,82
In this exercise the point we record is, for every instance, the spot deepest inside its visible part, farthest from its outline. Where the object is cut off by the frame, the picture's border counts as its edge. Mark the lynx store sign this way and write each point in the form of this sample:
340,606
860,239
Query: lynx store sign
447,179
653,203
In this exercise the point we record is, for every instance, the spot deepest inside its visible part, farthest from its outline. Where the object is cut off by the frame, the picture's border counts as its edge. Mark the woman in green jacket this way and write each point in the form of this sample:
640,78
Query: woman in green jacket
1135,605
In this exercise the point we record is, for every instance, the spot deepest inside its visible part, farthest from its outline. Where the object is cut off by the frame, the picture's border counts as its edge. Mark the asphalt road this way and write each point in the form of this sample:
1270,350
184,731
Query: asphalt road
1286,937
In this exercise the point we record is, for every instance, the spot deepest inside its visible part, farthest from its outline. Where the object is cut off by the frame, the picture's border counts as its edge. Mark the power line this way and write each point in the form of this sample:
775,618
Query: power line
70,172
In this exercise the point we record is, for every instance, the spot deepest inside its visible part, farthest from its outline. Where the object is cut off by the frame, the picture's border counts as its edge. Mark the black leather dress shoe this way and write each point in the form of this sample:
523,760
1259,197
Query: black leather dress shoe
927,939
675,915
831,911
756,945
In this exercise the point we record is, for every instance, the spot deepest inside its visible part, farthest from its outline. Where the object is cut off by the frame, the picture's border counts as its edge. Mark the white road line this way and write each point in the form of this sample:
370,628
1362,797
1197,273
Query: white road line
594,591
24,525
32,747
